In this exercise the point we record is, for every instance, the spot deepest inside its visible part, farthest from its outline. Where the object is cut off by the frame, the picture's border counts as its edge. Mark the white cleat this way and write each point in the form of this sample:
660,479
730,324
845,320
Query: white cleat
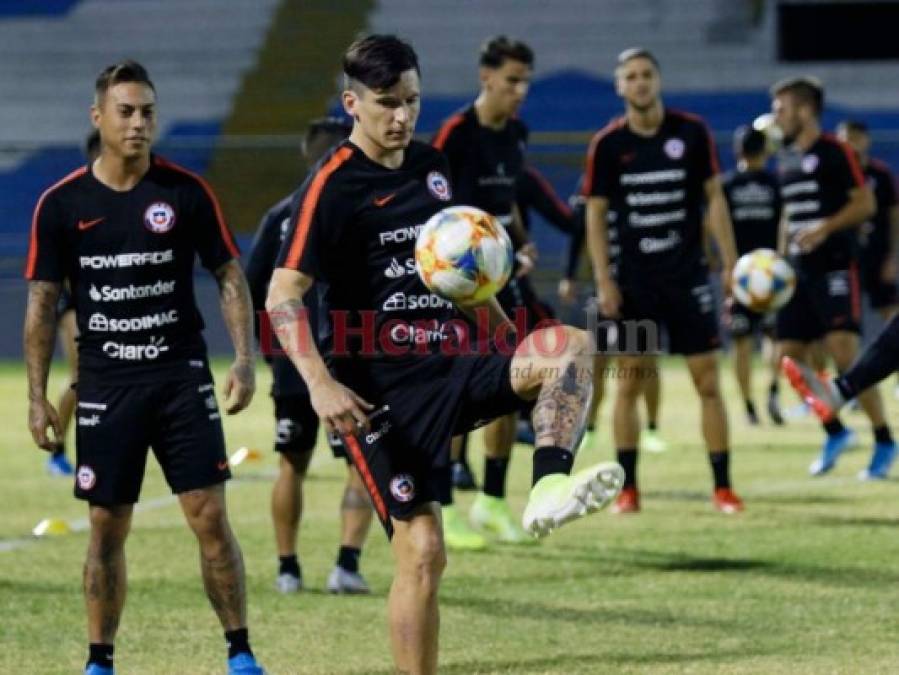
350,583
288,583
558,499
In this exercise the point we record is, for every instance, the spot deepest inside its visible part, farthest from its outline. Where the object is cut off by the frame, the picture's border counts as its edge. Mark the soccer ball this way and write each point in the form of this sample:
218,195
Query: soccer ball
773,134
763,281
464,255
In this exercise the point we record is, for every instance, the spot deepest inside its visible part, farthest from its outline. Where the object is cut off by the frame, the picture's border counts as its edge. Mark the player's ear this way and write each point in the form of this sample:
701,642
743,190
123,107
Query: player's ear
95,115
484,75
619,82
351,103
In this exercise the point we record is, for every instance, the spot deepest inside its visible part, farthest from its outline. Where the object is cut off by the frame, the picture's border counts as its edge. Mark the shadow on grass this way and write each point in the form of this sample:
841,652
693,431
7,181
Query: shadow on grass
836,521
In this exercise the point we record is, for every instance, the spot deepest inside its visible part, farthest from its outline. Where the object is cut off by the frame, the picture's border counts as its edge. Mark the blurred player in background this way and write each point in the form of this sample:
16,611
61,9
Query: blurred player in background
657,170
753,199
485,145
296,424
825,199
124,232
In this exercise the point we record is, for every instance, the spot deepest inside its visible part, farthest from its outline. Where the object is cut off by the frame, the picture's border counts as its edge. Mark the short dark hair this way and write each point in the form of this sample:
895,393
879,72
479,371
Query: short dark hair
637,53
806,89
497,50
92,145
749,142
336,126
377,61
126,71
857,126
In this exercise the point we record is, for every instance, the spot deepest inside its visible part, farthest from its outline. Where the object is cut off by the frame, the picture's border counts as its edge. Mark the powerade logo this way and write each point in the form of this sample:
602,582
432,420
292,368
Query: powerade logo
401,235
105,262
132,292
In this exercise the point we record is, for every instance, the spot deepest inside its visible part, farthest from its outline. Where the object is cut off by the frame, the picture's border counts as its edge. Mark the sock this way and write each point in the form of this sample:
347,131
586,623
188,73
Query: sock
348,558
652,426
238,642
883,435
100,653
551,459
441,482
288,564
495,470
876,362
463,451
60,450
834,427
720,461
774,389
750,409
627,458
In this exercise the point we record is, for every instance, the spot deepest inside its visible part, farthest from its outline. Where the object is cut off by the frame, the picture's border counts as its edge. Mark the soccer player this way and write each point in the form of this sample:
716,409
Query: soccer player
753,199
484,145
296,425
124,231
656,169
879,234
397,394
825,199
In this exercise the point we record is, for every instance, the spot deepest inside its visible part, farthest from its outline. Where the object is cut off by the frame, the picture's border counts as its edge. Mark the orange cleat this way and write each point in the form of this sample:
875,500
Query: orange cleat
726,500
815,392
628,501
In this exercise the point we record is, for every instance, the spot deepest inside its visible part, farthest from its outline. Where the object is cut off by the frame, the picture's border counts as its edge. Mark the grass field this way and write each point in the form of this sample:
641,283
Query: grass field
804,582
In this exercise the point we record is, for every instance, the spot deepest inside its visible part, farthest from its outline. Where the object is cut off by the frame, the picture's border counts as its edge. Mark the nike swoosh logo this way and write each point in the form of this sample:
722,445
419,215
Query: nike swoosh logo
88,224
222,466
383,201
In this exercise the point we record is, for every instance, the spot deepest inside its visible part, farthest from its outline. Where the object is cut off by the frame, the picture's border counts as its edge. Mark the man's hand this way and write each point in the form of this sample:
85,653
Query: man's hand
810,238
567,291
339,408
240,385
609,298
527,259
41,415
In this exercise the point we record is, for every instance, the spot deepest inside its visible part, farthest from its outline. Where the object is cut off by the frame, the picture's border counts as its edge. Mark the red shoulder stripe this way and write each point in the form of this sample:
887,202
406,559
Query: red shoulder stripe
310,201
33,245
223,228
446,129
616,123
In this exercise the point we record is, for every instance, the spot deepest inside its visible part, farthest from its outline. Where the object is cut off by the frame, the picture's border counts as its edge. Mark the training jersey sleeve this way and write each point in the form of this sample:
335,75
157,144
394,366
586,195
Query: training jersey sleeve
262,256
534,191
213,240
47,244
705,158
599,170
846,172
452,140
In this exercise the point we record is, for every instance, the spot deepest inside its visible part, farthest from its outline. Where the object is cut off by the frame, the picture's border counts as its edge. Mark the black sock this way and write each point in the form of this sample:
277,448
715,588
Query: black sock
551,459
876,362
627,458
442,485
100,653
883,435
774,388
750,409
720,461
348,558
495,470
288,564
652,425
238,642
834,427
59,450
463,451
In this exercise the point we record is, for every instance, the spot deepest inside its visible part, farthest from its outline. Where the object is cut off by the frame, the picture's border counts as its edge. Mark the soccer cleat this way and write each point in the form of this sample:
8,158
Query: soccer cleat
58,465
288,583
881,460
819,395
774,409
493,514
457,534
463,479
97,669
628,501
244,664
726,500
652,442
830,451
344,582
557,499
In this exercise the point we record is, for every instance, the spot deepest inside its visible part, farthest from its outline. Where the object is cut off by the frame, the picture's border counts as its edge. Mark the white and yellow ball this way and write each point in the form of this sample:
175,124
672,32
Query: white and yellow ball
763,281
463,254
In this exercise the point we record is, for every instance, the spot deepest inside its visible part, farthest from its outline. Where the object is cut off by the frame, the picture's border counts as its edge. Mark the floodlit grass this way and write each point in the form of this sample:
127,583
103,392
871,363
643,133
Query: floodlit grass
804,582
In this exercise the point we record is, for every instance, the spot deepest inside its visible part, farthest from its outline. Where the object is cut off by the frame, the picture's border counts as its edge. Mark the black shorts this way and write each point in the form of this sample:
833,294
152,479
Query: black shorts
821,304
685,308
296,424
116,425
880,293
740,321
422,403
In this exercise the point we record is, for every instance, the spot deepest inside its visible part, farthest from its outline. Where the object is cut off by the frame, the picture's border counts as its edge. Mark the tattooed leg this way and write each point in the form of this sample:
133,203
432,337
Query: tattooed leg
556,365
104,571
221,561
355,511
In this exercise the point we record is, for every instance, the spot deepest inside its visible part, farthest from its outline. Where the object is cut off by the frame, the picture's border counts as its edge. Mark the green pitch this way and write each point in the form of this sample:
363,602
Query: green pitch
804,582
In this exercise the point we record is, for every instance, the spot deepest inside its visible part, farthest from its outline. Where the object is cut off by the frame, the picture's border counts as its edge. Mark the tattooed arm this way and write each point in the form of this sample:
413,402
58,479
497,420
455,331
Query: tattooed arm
40,333
337,406
237,310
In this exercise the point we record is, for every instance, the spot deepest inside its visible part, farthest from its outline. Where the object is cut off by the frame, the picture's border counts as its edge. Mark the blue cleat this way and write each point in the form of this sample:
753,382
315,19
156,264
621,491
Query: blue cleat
881,461
58,465
244,664
97,669
833,446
